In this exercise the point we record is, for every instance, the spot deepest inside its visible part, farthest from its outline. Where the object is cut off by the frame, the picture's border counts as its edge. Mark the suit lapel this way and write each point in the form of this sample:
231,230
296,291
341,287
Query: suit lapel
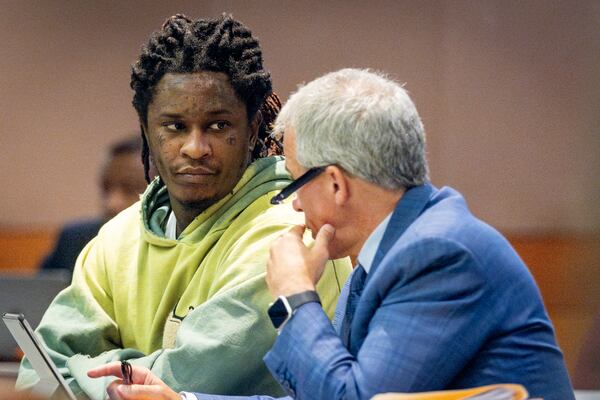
408,209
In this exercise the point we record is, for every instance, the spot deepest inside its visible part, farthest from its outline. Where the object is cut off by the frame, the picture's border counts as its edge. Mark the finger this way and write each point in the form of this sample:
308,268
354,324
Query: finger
320,249
112,390
110,369
146,392
298,230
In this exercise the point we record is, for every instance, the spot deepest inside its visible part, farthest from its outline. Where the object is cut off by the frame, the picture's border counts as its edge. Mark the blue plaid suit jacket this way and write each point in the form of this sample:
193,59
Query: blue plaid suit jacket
447,304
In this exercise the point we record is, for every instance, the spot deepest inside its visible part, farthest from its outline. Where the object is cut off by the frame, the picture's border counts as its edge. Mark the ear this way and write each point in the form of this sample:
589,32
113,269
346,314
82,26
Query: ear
340,185
254,128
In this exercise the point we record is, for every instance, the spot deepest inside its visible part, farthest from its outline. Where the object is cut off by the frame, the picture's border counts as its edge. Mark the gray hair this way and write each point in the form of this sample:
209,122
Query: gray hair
361,121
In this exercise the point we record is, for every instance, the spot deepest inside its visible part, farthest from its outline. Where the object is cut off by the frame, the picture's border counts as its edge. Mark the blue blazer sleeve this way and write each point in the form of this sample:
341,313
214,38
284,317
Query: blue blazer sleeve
203,396
426,312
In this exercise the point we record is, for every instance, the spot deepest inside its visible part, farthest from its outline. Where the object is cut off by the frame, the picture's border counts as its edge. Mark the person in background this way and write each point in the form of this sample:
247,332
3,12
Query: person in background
121,183
438,299
175,283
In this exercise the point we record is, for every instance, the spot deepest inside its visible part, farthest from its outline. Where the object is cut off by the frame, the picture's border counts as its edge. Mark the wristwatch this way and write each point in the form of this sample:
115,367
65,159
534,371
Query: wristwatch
284,307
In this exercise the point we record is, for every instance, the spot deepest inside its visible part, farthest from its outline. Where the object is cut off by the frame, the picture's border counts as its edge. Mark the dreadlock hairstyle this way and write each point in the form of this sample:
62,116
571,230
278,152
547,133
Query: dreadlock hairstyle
217,45
267,144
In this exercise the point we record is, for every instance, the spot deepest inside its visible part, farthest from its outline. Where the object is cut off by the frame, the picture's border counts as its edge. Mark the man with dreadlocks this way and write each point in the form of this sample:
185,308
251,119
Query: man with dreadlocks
175,283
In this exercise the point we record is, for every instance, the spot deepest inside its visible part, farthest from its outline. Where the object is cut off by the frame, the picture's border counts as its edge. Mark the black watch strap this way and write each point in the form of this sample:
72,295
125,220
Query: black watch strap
296,300
283,308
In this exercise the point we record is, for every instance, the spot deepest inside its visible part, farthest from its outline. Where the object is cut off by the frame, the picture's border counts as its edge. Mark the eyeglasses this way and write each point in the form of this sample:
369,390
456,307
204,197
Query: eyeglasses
297,184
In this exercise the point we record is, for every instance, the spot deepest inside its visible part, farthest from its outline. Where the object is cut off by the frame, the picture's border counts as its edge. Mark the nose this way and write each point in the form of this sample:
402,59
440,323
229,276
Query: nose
296,204
196,145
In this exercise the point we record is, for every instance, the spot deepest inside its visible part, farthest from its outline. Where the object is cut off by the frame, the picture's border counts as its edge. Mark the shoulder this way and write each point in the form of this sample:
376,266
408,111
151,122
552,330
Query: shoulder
261,215
429,261
447,245
448,228
251,233
110,251
121,229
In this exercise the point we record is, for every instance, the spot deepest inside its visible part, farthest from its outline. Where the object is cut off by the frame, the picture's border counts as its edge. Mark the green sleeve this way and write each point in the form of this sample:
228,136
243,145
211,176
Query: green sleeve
79,320
219,345
219,349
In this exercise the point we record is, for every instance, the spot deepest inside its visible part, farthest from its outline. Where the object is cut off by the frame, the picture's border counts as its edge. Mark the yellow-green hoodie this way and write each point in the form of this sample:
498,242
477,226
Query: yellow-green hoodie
130,279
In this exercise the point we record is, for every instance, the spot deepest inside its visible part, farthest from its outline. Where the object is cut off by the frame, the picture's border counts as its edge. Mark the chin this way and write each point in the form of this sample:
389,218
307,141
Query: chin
202,203
334,254
337,249
195,200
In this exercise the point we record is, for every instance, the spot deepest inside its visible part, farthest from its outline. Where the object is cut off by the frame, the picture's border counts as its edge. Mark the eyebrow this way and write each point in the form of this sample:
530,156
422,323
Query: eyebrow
170,115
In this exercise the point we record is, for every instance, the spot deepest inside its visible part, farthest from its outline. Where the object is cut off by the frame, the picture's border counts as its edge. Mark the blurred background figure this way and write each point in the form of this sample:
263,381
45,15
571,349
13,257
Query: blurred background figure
121,182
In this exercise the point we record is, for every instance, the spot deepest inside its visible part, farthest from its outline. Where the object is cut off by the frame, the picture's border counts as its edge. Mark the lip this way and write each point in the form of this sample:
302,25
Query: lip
196,171
195,176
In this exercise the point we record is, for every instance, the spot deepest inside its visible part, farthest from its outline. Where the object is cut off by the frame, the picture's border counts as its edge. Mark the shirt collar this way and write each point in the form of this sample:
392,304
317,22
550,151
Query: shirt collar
368,250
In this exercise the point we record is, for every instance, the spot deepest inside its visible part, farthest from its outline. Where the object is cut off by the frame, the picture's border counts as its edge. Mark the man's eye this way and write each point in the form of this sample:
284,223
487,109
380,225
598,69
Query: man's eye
174,126
219,126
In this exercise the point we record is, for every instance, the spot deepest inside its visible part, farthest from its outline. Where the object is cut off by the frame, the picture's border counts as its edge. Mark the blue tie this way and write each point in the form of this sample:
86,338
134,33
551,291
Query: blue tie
357,284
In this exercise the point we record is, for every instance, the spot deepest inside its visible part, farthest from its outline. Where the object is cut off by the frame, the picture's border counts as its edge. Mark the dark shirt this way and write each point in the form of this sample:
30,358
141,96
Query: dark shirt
71,240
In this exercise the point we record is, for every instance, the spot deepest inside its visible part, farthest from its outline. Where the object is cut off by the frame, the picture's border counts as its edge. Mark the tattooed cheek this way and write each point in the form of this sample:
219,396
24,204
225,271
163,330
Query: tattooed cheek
231,140
161,139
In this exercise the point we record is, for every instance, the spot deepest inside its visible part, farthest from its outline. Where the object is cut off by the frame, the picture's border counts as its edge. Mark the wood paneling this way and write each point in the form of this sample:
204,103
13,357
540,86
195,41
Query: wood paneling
21,251
567,271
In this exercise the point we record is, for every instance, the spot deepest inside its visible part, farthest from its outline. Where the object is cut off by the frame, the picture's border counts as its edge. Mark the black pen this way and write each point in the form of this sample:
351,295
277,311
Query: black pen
127,372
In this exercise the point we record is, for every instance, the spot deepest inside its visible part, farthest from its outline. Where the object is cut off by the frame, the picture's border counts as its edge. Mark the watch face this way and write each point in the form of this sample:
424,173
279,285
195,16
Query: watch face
278,313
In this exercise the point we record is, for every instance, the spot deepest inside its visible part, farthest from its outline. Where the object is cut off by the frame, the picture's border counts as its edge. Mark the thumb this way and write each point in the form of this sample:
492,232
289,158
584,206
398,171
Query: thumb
321,247
298,230
148,392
